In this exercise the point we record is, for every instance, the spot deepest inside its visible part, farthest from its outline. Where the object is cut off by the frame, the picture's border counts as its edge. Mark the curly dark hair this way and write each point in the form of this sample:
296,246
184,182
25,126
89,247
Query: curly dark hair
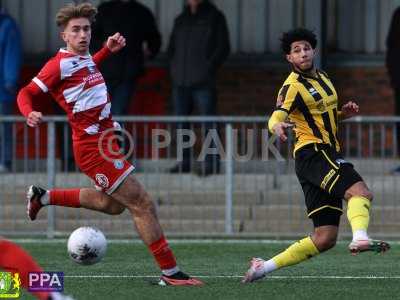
295,35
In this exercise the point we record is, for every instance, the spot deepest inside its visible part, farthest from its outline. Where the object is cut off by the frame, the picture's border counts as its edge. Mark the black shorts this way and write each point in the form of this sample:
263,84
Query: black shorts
324,177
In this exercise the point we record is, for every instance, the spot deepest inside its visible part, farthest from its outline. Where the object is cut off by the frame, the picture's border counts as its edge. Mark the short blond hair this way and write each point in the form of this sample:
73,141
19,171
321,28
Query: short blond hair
72,11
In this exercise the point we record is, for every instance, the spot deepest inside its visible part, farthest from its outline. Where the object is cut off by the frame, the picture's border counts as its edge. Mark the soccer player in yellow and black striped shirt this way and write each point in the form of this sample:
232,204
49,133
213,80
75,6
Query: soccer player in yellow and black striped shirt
308,102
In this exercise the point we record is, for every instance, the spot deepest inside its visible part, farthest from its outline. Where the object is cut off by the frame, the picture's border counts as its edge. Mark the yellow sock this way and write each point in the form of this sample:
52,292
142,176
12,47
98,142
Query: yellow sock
297,252
358,213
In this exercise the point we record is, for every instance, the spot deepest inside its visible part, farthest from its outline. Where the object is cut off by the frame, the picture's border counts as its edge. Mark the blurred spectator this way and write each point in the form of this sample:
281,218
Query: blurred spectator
10,62
393,65
198,46
143,40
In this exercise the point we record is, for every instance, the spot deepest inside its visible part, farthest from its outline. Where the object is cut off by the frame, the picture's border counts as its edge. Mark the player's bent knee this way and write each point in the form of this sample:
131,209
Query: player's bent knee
359,189
116,209
325,243
368,194
324,240
110,206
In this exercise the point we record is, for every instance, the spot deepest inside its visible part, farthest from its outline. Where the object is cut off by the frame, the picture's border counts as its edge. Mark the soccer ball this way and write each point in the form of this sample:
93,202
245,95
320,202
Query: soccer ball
87,245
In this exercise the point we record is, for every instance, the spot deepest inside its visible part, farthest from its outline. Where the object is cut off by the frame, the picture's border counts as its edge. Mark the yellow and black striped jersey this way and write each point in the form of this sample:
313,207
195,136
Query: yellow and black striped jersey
312,105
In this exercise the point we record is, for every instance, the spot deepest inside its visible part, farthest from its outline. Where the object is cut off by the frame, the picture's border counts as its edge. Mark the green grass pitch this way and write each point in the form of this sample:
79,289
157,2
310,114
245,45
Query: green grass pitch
126,270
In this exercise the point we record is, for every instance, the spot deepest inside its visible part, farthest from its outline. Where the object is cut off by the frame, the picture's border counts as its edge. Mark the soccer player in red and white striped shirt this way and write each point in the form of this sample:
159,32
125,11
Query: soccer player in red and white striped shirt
74,81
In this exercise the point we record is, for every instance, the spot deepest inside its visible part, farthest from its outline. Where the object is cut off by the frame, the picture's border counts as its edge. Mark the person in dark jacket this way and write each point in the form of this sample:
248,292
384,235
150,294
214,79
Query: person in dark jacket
143,41
199,44
10,62
393,65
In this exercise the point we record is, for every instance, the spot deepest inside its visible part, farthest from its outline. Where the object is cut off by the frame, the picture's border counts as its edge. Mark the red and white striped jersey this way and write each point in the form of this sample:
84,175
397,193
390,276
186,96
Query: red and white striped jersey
75,82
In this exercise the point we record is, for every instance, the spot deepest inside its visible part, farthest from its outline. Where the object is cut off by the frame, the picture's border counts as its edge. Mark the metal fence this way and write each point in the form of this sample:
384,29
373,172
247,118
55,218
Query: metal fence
254,193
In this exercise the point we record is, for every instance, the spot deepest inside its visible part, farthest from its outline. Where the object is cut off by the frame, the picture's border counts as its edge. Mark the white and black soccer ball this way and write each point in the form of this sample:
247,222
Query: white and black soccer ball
87,245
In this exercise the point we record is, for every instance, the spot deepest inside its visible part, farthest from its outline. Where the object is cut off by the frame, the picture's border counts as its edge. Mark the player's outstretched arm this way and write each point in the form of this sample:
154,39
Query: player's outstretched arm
277,124
116,42
25,99
113,44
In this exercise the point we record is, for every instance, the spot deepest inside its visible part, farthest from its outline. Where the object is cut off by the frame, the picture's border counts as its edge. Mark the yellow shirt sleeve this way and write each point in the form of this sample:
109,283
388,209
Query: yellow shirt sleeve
285,104
276,117
287,98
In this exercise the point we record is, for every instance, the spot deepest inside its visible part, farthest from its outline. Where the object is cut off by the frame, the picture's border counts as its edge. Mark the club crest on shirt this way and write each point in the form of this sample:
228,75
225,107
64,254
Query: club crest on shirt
102,180
118,164
321,106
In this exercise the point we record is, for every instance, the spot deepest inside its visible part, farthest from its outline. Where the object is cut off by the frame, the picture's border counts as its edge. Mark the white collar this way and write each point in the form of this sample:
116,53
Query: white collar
64,50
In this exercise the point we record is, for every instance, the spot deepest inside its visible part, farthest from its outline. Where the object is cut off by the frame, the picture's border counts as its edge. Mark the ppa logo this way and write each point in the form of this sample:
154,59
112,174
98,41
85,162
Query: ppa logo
46,282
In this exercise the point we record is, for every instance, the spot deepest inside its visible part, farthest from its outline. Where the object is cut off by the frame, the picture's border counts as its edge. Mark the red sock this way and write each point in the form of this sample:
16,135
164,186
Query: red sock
14,259
163,254
69,198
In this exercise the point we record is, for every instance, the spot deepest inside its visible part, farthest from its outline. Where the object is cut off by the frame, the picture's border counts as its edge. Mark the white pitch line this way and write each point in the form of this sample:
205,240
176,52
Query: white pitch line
180,241
233,276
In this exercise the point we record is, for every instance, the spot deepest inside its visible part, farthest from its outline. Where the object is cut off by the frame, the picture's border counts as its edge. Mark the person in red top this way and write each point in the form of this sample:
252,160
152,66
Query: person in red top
74,81
14,259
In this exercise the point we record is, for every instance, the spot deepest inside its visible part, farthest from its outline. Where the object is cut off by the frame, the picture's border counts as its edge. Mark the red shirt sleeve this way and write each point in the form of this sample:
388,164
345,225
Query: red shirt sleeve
101,55
49,76
25,98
